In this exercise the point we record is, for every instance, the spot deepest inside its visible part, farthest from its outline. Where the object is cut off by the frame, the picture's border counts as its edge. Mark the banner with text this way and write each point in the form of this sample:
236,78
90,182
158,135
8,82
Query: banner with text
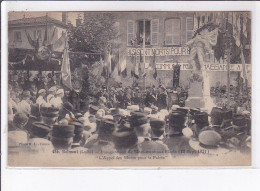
207,67
164,51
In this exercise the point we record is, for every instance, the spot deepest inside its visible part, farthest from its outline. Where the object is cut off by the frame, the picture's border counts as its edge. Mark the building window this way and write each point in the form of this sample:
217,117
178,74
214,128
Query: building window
130,32
189,28
136,31
17,36
173,32
143,29
155,31
37,34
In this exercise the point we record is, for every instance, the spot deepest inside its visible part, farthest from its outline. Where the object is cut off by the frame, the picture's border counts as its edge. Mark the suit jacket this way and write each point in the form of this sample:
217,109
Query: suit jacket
179,146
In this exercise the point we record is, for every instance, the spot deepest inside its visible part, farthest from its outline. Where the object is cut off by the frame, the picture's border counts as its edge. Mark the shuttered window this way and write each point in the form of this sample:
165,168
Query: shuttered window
130,32
173,32
189,28
155,31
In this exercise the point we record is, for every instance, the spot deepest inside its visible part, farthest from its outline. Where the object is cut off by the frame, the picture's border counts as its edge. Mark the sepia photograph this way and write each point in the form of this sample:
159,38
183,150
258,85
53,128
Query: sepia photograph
129,88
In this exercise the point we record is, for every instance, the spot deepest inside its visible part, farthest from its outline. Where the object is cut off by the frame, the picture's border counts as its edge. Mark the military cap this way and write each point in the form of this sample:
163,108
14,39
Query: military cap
78,131
177,121
147,110
239,120
93,109
52,89
133,108
42,91
78,115
157,124
60,91
63,131
20,118
35,110
137,114
26,94
227,115
216,115
40,130
114,111
209,140
174,107
53,110
194,110
184,109
105,129
124,138
108,117
201,118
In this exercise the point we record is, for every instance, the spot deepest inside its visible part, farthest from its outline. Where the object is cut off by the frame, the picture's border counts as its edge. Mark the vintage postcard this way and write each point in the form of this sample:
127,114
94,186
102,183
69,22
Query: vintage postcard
129,88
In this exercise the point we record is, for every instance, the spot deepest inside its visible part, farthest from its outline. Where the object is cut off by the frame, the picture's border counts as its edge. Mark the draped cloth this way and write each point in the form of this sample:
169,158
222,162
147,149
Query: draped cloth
200,44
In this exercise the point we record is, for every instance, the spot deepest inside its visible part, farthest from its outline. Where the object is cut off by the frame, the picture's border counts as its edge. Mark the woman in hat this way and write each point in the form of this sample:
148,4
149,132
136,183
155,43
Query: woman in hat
41,98
24,106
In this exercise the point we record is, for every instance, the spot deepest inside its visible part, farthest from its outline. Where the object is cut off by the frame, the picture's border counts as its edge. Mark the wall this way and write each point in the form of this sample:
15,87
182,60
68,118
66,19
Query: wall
24,44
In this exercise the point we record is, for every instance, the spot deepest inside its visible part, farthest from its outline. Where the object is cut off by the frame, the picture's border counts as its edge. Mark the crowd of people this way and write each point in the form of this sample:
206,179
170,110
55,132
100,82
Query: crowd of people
240,98
123,120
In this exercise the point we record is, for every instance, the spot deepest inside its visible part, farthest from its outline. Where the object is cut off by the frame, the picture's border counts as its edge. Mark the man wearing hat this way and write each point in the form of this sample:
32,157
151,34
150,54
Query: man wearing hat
39,130
162,98
155,145
102,141
19,122
139,122
125,139
40,100
24,105
208,143
51,94
177,143
58,99
102,102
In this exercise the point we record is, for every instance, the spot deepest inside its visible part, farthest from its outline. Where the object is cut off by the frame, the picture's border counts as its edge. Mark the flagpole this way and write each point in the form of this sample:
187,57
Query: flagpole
228,61
144,52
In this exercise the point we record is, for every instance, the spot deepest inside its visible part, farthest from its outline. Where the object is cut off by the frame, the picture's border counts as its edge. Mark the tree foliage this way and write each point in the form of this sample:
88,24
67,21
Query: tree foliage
93,34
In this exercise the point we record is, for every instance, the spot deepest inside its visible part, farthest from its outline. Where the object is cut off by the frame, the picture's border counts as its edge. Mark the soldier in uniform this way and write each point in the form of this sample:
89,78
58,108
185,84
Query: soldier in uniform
177,143
162,98
102,141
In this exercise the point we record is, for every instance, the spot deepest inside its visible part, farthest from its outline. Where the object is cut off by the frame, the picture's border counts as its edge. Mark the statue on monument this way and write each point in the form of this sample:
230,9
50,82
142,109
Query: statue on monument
202,42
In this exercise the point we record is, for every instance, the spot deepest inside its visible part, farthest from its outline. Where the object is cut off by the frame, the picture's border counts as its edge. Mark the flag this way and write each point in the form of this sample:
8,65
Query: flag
176,75
59,44
133,58
123,70
141,65
154,67
33,43
45,40
109,64
65,69
115,60
244,73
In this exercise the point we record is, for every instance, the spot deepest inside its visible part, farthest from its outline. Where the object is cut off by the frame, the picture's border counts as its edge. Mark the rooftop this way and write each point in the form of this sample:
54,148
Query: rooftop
36,21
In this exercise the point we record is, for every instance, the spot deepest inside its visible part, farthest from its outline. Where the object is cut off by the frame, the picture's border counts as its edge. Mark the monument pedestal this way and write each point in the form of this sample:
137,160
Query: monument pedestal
195,95
197,102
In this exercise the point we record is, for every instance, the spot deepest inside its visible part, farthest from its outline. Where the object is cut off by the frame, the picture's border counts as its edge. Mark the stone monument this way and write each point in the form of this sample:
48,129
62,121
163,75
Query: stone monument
195,92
